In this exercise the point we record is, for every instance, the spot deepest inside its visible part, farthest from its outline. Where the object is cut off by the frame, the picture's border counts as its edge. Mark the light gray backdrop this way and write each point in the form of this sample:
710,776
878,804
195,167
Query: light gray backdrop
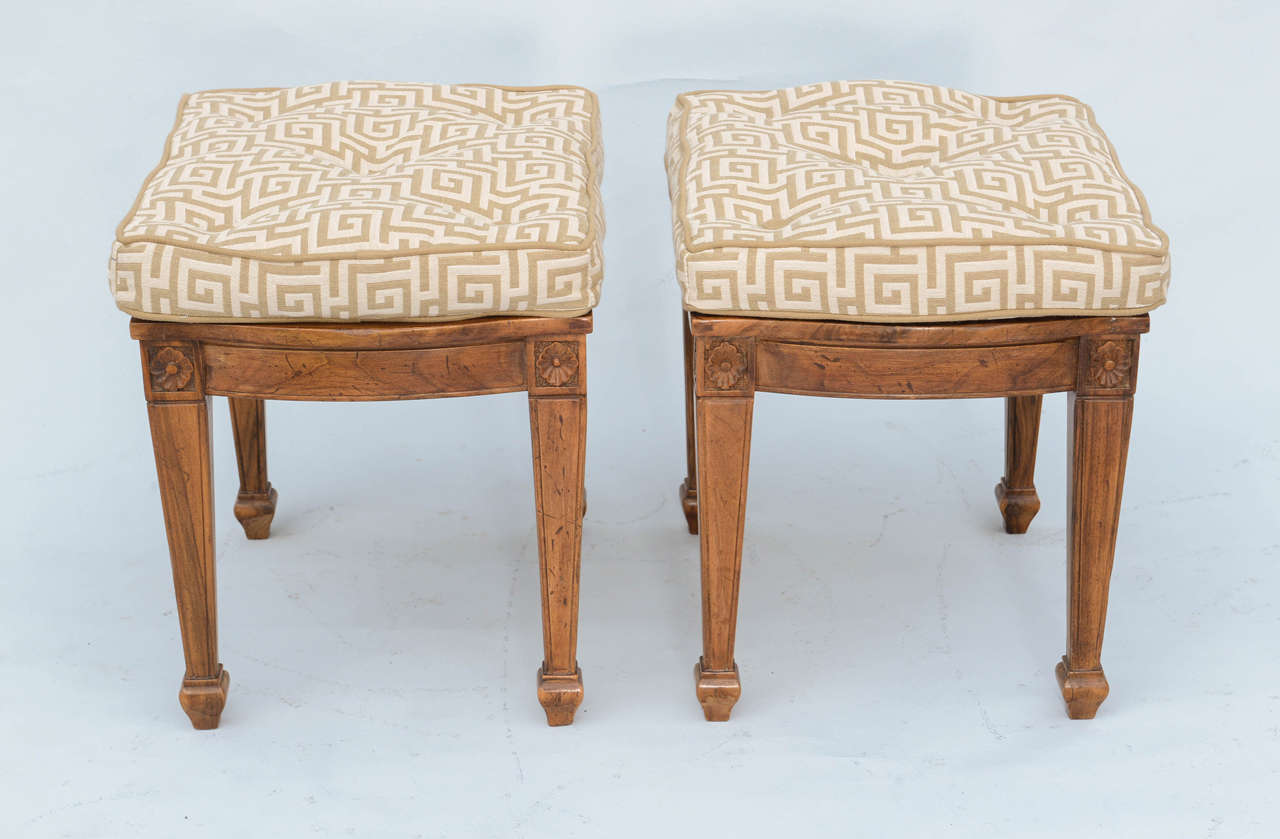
896,647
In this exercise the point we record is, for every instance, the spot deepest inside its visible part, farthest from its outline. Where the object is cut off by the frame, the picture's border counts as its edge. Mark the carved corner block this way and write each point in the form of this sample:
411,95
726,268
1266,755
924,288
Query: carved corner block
725,367
557,366
172,372
1108,365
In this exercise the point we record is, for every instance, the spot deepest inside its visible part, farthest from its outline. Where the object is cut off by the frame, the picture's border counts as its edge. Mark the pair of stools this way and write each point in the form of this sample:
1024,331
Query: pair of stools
370,241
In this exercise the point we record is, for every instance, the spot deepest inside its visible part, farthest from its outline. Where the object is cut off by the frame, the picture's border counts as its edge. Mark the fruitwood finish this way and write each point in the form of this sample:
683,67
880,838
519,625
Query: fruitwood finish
183,365
729,359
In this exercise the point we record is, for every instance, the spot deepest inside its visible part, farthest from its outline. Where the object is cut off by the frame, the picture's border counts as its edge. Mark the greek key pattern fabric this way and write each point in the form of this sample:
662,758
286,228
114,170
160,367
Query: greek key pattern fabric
369,201
894,201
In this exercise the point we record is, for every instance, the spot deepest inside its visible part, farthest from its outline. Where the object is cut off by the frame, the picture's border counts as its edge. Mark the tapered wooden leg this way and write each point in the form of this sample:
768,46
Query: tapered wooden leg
1101,413
256,501
184,465
689,487
559,427
724,445
1016,492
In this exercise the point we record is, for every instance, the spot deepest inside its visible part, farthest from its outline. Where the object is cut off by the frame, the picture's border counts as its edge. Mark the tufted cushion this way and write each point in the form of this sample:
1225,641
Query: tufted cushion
369,200
892,201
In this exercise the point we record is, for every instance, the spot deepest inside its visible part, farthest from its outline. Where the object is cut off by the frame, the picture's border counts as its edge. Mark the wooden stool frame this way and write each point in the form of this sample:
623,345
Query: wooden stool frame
183,364
729,359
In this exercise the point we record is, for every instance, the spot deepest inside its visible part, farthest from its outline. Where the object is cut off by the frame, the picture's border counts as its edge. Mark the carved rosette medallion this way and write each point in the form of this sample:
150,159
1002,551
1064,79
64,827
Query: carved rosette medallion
556,364
171,369
1109,364
726,366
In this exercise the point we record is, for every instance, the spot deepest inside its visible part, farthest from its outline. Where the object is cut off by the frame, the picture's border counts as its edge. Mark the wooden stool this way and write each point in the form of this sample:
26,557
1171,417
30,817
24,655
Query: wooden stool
278,214
944,216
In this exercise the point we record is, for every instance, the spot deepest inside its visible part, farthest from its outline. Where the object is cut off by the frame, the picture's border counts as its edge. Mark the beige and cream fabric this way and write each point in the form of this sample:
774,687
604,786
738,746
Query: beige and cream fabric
366,201
893,201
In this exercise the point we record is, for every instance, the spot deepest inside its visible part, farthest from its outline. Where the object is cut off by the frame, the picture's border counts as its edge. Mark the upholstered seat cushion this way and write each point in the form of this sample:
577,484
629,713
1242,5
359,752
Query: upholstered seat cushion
892,201
365,201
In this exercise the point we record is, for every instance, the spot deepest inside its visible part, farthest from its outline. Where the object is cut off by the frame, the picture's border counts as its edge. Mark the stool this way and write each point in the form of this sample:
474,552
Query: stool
890,240
365,241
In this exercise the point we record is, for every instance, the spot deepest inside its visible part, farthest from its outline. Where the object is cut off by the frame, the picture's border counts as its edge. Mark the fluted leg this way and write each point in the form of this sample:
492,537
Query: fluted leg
1097,448
256,501
559,427
724,399
1016,492
724,444
179,416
